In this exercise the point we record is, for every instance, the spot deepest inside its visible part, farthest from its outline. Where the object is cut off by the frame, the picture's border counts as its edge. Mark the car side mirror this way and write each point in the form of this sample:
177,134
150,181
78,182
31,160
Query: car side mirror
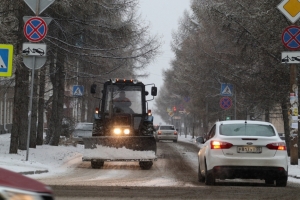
200,140
153,91
93,88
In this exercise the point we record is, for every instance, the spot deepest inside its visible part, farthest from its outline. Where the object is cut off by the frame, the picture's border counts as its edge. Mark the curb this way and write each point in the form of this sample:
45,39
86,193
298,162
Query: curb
34,172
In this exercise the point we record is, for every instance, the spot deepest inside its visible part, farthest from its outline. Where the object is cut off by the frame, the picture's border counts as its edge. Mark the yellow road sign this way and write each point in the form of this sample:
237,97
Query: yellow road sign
6,60
291,9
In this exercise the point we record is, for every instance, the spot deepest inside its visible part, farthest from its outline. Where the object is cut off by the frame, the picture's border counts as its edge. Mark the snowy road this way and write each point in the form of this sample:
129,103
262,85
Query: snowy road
173,168
173,176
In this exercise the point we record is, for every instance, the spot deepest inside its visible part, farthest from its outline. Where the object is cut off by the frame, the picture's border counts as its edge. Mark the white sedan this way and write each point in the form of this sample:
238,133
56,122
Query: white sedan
243,149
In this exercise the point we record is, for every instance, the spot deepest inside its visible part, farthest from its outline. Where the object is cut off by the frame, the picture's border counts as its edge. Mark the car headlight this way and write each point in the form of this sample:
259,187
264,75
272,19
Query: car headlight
117,131
11,194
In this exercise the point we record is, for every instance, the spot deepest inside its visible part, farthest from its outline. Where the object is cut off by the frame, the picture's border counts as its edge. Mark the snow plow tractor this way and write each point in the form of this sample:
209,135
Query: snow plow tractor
123,125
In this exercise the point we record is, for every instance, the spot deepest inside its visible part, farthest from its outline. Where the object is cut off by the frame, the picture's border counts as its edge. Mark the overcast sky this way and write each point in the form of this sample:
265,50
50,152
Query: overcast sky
163,17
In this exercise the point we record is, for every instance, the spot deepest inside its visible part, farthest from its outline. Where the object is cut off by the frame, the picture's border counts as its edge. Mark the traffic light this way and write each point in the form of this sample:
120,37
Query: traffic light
174,108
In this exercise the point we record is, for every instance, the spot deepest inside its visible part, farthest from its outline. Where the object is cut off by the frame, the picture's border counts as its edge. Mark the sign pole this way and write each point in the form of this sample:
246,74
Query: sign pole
35,30
37,7
30,107
293,115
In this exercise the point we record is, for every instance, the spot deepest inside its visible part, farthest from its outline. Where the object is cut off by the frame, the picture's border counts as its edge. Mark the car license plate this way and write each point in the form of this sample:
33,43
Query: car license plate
246,149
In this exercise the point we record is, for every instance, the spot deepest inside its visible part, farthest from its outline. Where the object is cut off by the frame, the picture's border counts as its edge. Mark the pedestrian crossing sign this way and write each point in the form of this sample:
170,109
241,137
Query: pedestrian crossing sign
6,60
226,89
78,90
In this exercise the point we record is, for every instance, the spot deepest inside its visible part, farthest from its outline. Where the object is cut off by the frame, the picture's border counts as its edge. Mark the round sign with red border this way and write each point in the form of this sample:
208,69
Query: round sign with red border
225,103
291,37
35,29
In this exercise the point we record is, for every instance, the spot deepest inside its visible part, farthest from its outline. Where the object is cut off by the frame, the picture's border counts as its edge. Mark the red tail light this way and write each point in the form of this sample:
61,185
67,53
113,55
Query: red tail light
220,145
276,146
175,132
159,133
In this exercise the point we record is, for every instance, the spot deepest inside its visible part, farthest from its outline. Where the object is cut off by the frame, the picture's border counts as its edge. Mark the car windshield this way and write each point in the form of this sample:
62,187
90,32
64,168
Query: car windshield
84,127
246,130
167,128
132,94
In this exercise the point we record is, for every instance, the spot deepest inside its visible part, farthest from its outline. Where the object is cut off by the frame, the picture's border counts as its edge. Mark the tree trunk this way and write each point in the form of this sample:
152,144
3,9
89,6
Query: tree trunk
41,102
286,125
20,109
51,125
57,80
267,115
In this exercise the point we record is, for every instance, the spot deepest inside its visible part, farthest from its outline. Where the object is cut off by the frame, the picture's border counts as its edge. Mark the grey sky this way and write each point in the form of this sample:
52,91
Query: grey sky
163,17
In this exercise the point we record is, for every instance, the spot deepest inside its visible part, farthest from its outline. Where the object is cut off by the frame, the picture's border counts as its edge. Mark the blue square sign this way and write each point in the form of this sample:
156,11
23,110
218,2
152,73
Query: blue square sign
6,59
226,89
78,90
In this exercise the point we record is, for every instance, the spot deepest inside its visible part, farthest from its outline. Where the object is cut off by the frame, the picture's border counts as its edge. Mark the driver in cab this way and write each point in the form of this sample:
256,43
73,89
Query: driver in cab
122,103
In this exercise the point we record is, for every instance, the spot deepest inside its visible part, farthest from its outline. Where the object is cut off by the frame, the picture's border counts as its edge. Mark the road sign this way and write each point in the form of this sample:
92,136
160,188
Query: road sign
34,49
6,59
226,89
35,29
290,57
42,5
34,61
78,90
225,103
46,19
291,37
290,9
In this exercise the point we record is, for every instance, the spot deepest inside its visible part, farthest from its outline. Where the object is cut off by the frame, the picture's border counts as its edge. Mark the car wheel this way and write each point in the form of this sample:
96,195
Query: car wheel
97,164
174,140
146,164
209,177
200,177
269,181
281,182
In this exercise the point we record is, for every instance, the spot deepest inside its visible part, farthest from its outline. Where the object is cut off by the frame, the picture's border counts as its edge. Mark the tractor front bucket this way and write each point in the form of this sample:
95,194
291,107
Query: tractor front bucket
119,148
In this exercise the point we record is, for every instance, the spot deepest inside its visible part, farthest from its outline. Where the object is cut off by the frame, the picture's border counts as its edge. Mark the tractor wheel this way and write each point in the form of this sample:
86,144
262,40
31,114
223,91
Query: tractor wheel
145,165
97,128
97,164
147,129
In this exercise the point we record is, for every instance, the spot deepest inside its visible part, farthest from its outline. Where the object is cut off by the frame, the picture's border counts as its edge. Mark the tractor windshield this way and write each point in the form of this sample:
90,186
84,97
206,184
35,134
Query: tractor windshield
126,99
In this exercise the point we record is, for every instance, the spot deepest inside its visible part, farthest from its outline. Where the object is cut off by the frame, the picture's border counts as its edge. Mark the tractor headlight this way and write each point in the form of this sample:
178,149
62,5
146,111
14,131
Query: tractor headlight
126,131
117,131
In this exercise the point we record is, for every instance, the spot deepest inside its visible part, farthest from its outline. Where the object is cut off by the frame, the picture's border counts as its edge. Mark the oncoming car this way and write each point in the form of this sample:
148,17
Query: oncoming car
166,132
243,149
82,129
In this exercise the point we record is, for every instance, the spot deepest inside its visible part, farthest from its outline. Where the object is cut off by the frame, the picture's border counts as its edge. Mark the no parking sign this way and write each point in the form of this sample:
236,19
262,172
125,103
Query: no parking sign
35,29
225,103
